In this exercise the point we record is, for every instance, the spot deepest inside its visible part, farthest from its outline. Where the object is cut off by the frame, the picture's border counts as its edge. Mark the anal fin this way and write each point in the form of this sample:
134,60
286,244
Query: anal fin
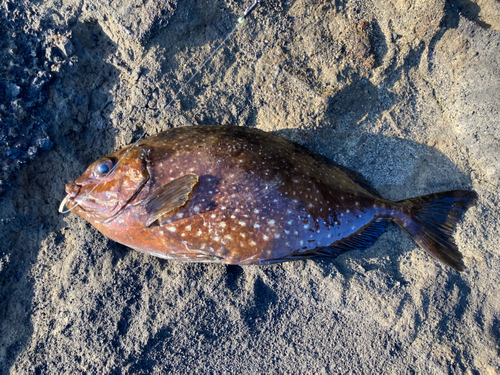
362,239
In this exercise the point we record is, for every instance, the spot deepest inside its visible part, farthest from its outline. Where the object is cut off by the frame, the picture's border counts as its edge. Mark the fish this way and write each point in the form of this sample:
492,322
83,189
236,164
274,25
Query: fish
237,195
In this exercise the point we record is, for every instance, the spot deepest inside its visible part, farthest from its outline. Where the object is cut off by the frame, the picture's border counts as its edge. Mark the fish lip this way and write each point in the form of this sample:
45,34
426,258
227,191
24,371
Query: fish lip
73,189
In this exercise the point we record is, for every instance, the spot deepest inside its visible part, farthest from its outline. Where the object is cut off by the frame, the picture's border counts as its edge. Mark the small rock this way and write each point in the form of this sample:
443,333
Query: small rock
45,144
14,153
12,90
66,47
54,54
32,151
36,92
21,146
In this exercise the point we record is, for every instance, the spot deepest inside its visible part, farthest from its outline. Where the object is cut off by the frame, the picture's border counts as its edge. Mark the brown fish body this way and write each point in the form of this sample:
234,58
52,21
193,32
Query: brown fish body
242,196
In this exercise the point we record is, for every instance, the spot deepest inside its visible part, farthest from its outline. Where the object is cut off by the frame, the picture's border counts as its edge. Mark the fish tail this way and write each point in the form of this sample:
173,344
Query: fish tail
431,220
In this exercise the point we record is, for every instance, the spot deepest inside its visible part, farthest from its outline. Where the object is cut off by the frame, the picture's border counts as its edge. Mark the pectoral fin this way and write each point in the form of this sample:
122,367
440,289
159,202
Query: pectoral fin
169,197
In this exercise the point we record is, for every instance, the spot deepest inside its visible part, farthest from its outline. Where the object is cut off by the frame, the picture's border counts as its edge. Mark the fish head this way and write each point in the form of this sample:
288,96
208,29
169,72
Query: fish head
108,185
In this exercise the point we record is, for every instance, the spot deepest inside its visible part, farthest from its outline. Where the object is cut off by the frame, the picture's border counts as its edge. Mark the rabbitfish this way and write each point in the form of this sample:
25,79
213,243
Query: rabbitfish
242,196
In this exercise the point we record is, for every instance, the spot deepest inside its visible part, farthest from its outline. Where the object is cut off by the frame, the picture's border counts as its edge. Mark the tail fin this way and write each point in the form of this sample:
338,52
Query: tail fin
431,220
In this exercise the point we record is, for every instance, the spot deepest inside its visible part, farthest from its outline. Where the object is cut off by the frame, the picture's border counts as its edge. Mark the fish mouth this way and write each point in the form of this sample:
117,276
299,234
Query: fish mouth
73,190
70,203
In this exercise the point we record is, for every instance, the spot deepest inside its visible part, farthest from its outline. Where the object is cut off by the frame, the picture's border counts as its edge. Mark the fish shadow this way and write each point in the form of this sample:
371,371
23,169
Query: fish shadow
399,169
259,309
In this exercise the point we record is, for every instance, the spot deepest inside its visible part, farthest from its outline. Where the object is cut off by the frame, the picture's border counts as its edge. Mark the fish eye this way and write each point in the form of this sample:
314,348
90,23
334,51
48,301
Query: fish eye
104,167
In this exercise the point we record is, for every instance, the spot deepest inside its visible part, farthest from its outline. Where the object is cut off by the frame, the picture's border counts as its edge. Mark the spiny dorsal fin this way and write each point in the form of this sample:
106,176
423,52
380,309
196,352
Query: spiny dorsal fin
169,197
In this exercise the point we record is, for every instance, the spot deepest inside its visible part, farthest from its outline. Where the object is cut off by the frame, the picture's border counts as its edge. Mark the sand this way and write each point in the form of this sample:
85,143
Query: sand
407,93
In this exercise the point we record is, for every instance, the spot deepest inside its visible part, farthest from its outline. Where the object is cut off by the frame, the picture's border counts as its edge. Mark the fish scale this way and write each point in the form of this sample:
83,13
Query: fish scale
242,196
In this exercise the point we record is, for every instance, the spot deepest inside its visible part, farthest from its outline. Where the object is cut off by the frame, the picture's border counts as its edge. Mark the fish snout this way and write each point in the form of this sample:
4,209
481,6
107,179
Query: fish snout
72,188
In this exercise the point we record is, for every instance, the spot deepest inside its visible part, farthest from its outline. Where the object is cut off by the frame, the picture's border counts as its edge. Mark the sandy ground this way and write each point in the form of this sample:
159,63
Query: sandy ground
405,92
